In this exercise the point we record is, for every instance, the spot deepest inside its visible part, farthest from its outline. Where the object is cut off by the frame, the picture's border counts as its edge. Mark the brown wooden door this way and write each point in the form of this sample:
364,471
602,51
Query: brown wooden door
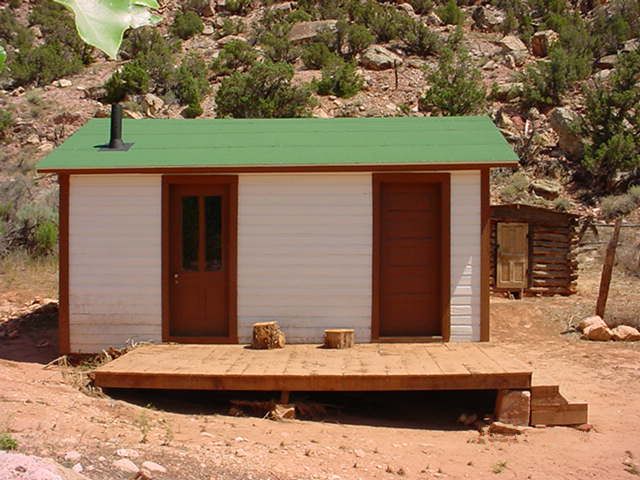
411,259
513,255
200,245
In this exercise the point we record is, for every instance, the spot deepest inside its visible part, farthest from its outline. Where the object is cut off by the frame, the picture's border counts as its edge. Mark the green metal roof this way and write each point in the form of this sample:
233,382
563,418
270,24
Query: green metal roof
178,143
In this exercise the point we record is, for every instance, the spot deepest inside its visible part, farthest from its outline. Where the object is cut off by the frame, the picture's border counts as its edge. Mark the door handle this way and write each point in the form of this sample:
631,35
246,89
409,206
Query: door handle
175,278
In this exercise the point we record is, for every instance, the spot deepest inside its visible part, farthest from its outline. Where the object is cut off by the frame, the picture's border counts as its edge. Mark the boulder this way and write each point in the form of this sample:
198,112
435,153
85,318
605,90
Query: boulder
152,104
434,20
487,18
407,8
62,83
376,57
502,428
230,38
590,321
625,333
607,62
514,407
541,41
505,92
631,45
16,466
126,465
209,10
306,31
598,333
208,30
547,189
565,123
513,46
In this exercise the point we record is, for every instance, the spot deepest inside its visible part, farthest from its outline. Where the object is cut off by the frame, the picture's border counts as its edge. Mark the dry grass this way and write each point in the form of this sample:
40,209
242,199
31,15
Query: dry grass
23,277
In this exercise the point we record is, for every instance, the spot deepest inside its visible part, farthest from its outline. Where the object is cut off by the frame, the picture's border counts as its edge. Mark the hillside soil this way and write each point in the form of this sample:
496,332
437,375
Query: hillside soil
51,413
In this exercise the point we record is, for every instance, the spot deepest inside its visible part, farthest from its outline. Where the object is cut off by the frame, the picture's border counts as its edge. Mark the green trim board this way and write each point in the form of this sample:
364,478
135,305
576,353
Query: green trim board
206,143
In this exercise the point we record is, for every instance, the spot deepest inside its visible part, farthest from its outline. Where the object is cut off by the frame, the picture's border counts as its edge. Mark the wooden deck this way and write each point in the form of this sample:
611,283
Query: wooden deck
365,367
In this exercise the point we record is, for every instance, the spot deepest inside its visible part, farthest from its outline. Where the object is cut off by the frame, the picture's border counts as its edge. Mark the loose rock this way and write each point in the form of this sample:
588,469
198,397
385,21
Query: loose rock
541,41
126,465
376,57
598,333
589,321
153,467
305,31
501,428
487,18
513,407
625,333
512,45
565,122
546,189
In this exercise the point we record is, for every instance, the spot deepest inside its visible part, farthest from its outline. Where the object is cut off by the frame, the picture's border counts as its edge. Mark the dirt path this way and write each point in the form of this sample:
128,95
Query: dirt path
406,436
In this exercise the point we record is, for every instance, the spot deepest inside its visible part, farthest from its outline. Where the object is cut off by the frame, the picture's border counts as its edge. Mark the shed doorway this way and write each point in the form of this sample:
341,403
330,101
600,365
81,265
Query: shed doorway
200,261
512,255
411,257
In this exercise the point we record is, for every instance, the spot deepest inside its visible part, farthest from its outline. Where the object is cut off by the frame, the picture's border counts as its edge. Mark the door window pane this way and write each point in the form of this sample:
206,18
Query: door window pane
190,233
213,221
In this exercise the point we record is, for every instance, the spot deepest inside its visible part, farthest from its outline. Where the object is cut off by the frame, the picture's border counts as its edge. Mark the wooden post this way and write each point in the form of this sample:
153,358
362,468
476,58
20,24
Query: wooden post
607,269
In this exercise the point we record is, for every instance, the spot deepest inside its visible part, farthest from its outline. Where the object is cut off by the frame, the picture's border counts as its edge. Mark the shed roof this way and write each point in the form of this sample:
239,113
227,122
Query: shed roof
310,142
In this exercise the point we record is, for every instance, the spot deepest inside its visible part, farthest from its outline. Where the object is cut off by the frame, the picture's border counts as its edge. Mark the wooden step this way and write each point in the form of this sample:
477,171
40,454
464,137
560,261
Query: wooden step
550,407
567,413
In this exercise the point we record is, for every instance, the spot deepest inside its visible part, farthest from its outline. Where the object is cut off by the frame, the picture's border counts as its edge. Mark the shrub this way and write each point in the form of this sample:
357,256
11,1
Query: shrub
450,13
577,42
316,56
515,188
195,5
153,53
276,44
13,32
43,64
187,24
238,7
190,81
455,86
613,24
6,123
235,55
265,91
133,79
340,79
384,21
612,123
230,27
358,38
420,40
7,442
57,25
422,7
544,82
193,110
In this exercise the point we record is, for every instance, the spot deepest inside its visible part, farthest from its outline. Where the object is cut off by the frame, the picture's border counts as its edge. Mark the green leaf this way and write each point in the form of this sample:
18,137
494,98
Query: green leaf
3,57
102,23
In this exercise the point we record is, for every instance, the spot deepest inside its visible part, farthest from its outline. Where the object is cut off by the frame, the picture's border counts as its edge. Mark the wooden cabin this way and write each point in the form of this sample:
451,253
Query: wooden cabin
532,250
197,229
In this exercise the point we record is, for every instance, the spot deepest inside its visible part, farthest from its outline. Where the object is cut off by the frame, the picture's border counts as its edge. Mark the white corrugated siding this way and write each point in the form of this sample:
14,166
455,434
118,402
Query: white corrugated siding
114,260
465,256
304,253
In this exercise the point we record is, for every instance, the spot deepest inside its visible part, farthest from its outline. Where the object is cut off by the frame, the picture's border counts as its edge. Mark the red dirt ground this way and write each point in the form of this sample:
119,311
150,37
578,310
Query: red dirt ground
408,436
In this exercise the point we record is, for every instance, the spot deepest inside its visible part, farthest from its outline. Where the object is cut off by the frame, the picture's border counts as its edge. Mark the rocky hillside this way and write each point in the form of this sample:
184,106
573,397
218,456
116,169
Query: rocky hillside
529,64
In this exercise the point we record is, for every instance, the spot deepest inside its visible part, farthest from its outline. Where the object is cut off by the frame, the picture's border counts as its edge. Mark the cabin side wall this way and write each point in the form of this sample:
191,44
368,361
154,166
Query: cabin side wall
114,260
304,256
